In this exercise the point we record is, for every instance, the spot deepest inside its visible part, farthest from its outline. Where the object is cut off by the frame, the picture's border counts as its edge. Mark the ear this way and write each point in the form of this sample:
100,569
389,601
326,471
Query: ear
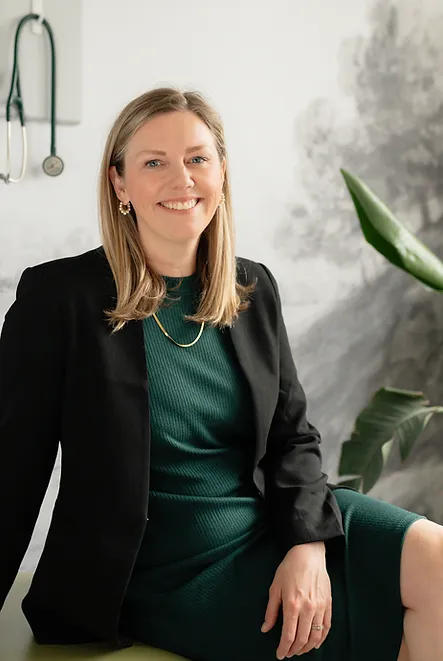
118,184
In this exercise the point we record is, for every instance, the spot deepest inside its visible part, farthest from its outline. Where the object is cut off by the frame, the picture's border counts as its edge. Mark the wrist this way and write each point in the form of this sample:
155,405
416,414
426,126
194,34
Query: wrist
318,547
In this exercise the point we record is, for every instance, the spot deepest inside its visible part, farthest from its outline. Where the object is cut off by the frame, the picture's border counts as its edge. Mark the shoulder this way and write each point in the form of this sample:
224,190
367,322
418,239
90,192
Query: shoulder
249,272
90,271
65,274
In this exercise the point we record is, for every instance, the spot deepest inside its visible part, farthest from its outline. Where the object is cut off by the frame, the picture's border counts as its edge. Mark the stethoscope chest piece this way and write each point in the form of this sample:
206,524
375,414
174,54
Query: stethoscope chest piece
53,165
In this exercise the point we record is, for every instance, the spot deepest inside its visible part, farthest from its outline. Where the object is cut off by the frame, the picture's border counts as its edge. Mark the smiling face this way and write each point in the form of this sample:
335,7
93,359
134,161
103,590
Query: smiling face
173,178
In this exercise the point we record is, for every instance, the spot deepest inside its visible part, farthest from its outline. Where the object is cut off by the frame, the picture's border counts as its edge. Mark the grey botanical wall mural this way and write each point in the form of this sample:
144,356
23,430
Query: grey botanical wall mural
376,326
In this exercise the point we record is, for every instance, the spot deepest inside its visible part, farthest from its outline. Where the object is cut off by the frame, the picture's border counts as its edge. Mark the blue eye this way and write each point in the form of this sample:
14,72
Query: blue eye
156,160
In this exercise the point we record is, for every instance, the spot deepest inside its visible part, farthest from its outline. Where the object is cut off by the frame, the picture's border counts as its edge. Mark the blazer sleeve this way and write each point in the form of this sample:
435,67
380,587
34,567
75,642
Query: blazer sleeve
302,507
31,350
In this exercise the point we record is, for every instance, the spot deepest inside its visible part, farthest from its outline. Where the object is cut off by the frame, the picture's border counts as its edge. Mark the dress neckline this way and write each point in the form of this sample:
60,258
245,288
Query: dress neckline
187,283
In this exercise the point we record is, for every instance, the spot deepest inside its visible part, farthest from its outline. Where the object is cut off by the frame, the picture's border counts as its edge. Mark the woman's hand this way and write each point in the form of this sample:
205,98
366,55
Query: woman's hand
302,585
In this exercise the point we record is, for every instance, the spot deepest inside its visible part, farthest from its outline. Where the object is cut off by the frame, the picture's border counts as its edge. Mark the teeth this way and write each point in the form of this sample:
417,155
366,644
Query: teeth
179,206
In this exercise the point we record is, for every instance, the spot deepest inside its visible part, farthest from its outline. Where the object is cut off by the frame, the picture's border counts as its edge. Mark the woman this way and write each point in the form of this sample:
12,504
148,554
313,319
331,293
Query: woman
192,505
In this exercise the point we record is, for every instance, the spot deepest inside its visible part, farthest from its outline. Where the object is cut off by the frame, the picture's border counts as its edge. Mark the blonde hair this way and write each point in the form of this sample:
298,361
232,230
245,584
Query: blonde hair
141,291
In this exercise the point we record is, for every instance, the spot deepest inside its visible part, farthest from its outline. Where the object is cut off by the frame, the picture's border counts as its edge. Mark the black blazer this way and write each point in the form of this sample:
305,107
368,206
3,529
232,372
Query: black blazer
65,379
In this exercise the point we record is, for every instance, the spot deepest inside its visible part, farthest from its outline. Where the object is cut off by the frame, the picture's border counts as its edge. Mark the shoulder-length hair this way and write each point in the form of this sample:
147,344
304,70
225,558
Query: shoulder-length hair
140,290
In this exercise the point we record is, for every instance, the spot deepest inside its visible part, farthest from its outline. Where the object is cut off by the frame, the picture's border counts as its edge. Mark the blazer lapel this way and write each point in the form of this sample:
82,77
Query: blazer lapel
123,351
248,345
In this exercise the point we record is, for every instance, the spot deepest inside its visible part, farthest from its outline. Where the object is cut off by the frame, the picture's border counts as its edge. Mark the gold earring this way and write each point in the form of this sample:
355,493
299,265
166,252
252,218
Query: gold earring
124,208
222,201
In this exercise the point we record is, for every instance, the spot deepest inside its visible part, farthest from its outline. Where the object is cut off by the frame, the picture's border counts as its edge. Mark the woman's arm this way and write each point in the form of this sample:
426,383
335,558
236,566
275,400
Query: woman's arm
303,509
31,376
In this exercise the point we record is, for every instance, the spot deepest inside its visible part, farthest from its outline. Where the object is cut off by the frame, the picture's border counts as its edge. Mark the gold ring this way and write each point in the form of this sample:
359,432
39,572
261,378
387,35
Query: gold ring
318,627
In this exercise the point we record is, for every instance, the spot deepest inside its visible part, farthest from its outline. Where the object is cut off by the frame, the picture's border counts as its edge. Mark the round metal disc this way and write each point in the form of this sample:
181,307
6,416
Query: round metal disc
53,165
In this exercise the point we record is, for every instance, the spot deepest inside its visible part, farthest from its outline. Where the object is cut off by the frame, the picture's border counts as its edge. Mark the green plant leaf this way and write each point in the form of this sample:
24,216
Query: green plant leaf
392,413
373,470
389,236
411,428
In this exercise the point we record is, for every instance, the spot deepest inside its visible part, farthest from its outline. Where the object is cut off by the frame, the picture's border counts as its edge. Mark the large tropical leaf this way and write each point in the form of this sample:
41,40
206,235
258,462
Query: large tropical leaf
390,238
392,414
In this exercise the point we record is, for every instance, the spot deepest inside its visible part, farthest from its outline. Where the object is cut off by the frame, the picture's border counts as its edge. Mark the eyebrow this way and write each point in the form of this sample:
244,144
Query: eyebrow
158,152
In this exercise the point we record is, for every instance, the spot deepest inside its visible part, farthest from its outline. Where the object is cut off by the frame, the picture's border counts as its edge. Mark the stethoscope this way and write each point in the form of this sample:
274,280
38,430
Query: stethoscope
53,164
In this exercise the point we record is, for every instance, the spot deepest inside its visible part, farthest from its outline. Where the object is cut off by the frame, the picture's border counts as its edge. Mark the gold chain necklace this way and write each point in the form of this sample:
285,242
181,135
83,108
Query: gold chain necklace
183,346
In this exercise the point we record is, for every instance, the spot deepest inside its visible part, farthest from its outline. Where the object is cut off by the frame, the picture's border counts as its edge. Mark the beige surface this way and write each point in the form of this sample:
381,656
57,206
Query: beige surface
17,643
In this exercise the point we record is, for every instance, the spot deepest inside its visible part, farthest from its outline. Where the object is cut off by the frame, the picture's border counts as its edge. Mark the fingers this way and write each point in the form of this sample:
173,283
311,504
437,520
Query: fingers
316,637
291,611
307,637
272,609
327,621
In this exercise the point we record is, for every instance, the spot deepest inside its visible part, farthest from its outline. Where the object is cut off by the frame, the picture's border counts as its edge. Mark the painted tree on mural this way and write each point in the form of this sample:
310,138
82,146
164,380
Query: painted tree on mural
393,139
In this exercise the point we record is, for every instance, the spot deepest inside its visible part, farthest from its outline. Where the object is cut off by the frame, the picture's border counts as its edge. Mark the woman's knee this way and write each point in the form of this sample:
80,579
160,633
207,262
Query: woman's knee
421,574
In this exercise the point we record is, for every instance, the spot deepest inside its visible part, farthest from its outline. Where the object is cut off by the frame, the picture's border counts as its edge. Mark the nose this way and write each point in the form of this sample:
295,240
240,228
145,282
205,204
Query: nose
181,178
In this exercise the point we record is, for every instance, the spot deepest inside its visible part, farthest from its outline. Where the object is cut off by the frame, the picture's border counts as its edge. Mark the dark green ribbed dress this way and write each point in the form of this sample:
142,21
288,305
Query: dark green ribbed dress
200,584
